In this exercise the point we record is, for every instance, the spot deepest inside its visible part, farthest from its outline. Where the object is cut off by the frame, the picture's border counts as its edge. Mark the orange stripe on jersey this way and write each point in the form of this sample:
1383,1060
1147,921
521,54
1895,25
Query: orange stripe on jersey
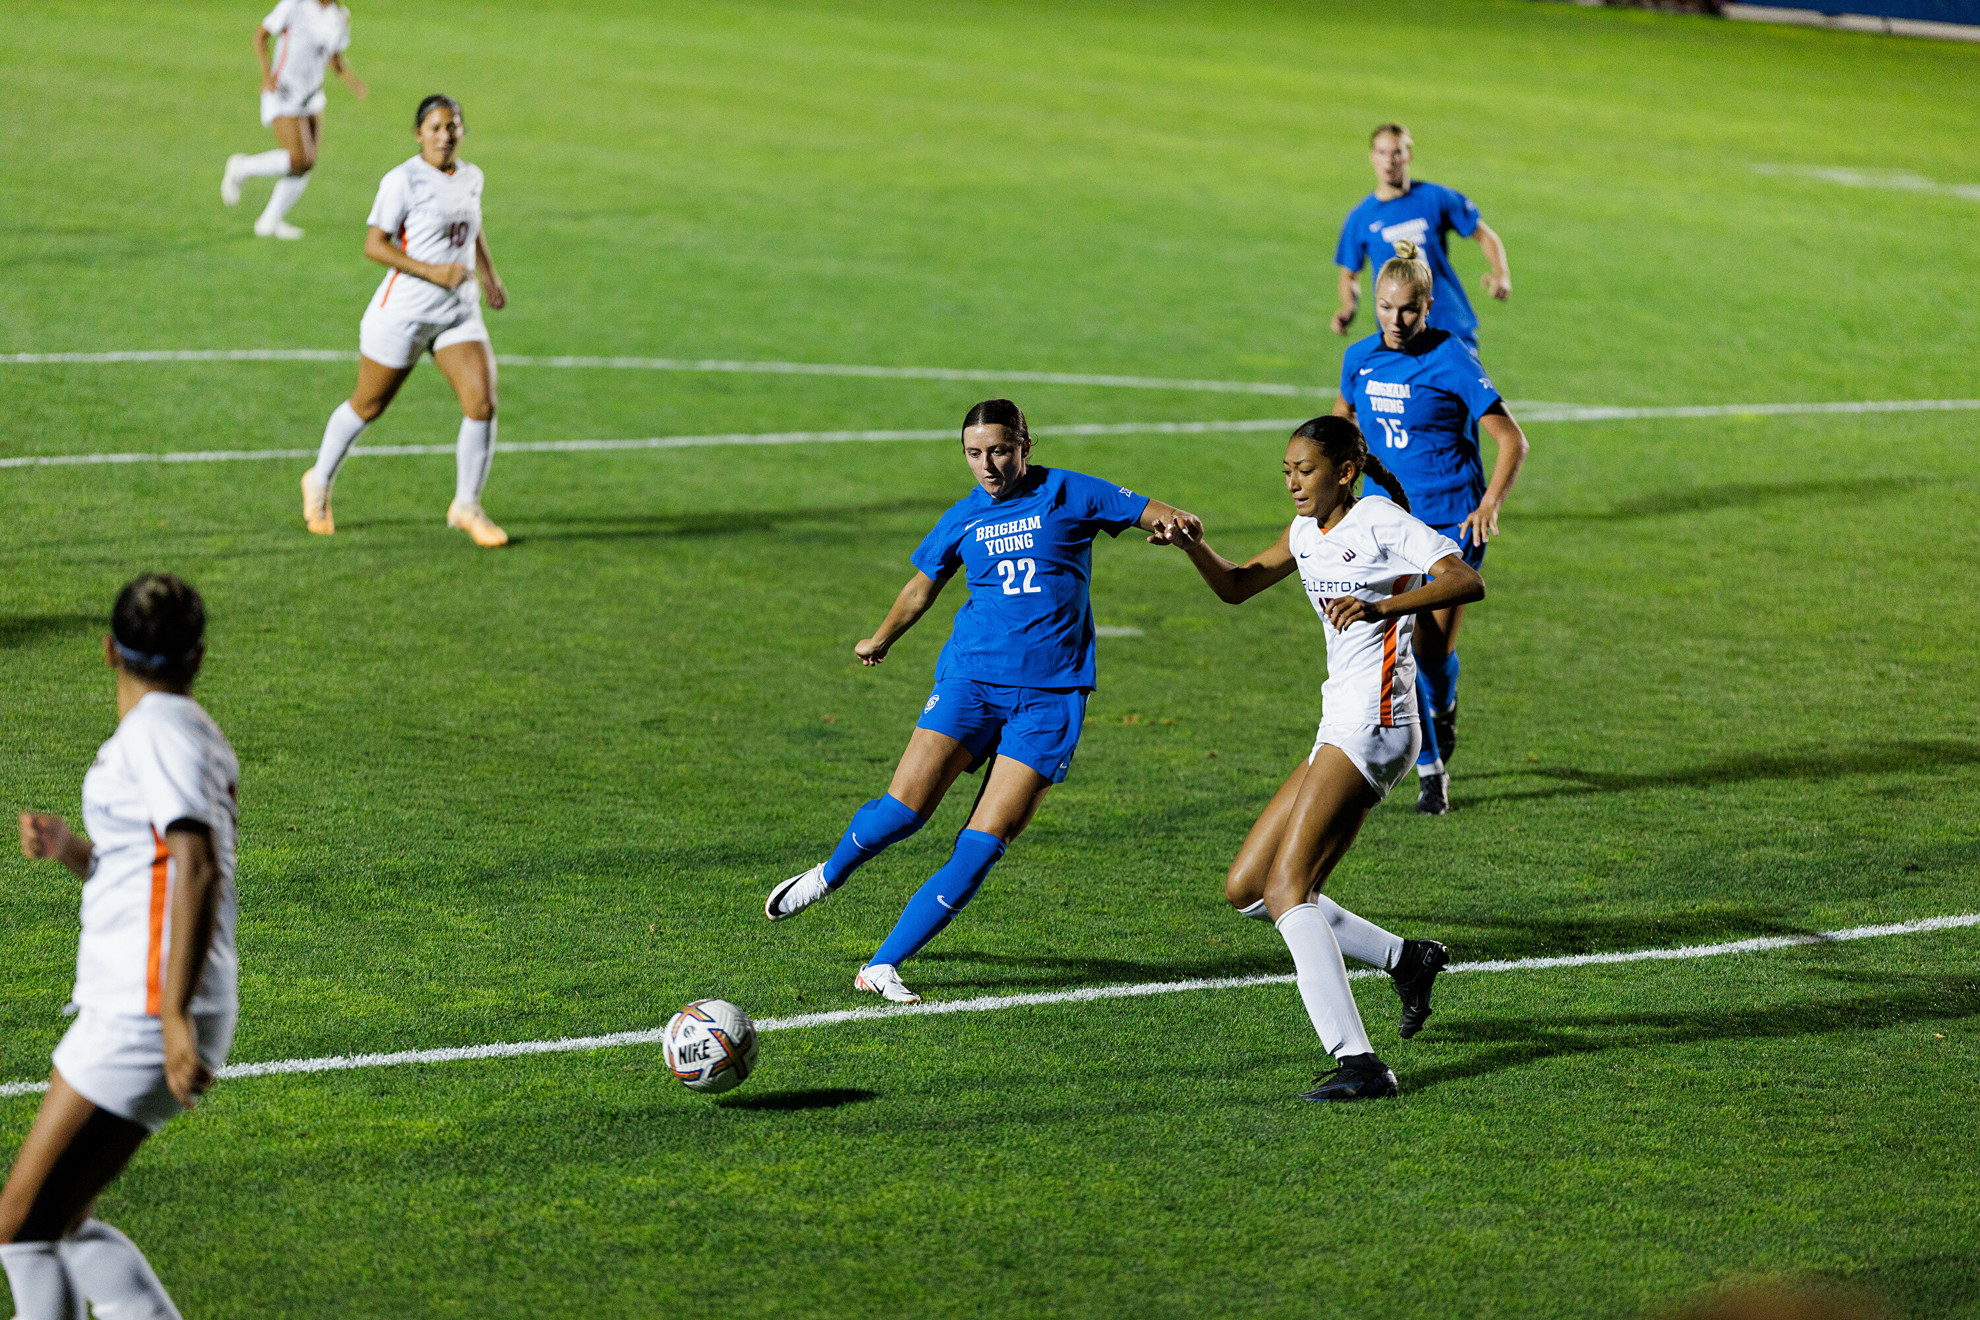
390,280
288,42
154,958
1388,670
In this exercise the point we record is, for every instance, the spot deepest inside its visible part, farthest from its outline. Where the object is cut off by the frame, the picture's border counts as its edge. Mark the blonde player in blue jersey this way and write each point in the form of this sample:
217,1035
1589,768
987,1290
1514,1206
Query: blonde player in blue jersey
1012,682
1421,398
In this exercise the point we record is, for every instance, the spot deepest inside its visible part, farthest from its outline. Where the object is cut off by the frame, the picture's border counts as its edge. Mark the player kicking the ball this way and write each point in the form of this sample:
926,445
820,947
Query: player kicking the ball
1011,685
1362,561
155,969
431,302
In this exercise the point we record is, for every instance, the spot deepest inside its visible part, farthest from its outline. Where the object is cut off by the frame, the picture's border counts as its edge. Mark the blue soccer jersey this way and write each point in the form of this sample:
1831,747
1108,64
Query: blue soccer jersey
1028,560
1419,407
1424,215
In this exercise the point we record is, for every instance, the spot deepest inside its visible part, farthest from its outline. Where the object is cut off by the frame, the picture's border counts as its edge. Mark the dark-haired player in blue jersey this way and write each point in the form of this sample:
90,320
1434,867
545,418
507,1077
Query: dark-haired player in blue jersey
1421,398
1420,213
1011,684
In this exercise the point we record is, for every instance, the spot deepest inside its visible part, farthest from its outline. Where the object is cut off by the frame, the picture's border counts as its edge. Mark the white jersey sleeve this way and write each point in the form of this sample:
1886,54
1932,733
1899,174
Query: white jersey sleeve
343,42
393,203
174,780
1408,538
279,17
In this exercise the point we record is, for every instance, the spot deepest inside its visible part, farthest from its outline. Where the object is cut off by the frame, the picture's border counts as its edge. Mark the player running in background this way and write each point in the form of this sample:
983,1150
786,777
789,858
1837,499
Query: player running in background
1421,396
1363,563
1422,213
155,969
1012,683
430,302
310,36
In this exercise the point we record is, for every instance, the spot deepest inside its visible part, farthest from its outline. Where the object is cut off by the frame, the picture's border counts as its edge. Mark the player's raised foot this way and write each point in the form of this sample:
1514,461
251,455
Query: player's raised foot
1358,1077
1444,724
470,519
884,979
1433,794
281,229
230,180
1414,974
316,505
797,893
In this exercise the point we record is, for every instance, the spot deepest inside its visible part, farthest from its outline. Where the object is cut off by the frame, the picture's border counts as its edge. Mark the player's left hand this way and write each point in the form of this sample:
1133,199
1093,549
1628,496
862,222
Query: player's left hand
185,1072
1184,531
358,88
495,295
870,652
44,835
1345,610
1499,286
1481,526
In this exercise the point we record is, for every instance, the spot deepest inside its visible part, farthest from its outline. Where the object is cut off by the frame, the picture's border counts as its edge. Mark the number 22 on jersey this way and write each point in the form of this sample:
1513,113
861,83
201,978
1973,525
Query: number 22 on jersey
1009,569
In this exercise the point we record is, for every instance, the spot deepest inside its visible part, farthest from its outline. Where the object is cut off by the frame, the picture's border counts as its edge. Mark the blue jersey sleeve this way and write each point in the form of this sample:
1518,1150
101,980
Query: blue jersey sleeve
1459,215
940,552
1348,251
1113,508
1460,372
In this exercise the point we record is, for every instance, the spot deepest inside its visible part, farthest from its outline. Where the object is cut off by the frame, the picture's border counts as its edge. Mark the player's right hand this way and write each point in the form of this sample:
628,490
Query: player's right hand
268,83
1343,319
43,835
1185,531
870,652
452,275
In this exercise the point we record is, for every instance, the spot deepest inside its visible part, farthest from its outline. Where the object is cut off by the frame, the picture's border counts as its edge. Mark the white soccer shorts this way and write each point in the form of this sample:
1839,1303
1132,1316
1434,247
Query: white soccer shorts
1383,753
395,341
117,1062
279,105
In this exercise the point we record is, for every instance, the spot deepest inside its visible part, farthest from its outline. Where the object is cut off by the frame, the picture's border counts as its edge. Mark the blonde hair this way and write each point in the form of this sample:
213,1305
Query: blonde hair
1407,267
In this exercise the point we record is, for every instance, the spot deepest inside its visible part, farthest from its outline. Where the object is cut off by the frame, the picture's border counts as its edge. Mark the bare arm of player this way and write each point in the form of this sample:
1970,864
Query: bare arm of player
261,35
1350,286
1342,408
1233,583
909,606
195,905
1160,519
351,80
378,246
1498,280
491,284
1457,583
50,836
1483,523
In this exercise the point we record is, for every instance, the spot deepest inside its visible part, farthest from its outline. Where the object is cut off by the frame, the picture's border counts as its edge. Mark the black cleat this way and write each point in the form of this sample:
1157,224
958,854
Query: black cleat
1433,794
1444,724
1414,974
1359,1077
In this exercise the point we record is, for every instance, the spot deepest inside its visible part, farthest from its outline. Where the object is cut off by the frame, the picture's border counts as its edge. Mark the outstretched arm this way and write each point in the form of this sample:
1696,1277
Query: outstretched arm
1233,583
1457,583
1498,280
1483,524
909,606
195,906
50,836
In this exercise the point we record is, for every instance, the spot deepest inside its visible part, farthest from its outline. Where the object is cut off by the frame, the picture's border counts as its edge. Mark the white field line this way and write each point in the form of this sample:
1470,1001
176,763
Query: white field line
998,1003
1550,412
1888,180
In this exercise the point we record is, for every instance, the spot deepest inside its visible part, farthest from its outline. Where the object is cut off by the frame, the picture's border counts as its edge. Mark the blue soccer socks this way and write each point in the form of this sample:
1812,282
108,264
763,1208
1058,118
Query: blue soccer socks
875,827
1441,679
942,897
1429,756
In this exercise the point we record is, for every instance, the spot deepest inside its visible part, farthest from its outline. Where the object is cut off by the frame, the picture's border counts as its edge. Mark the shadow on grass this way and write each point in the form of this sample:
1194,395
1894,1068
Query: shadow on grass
1043,972
21,629
1941,1284
1511,1042
1732,495
1530,935
1872,759
738,523
797,1101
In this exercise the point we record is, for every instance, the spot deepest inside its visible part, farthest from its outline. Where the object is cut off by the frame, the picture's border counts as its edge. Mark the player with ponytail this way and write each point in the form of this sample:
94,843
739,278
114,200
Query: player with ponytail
1367,567
1421,396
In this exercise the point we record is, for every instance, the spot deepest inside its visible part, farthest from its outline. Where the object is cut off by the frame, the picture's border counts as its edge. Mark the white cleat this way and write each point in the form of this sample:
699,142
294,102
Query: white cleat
884,979
316,505
281,229
797,893
230,180
469,518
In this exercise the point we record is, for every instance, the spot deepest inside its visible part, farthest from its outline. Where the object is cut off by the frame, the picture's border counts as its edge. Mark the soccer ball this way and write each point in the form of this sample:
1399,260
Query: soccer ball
711,1046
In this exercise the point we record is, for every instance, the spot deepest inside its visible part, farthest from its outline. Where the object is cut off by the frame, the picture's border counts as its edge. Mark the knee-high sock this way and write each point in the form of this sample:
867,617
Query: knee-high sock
942,897
1323,982
109,1270
42,1288
474,454
1256,911
288,191
264,164
339,434
1360,938
1442,677
1428,759
876,826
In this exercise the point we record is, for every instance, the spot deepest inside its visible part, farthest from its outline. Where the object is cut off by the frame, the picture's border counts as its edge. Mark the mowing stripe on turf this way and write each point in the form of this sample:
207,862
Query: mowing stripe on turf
1550,412
996,1003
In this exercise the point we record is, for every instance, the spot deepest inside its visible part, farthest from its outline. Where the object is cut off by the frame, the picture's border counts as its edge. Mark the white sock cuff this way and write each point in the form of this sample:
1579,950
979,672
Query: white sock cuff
1292,914
40,1283
108,1269
1256,911
264,163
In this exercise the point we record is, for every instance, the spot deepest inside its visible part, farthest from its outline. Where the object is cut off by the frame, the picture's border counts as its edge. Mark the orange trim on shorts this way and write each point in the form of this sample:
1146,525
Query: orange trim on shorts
154,958
1388,671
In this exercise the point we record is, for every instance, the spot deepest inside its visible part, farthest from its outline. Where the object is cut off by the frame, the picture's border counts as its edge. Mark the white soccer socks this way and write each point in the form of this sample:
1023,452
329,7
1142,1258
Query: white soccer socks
262,164
339,434
109,1270
42,1289
1323,983
1360,938
288,191
474,454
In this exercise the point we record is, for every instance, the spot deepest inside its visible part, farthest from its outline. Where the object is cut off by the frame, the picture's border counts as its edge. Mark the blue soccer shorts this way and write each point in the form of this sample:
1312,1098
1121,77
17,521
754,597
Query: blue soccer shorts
1038,727
1471,548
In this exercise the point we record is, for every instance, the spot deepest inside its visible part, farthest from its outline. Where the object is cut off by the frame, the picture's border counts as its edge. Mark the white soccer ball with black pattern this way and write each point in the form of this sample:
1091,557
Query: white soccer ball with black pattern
711,1046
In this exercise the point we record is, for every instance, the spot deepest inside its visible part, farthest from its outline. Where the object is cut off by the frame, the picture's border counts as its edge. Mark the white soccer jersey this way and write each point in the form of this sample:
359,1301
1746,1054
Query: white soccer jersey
1374,552
435,216
308,33
166,762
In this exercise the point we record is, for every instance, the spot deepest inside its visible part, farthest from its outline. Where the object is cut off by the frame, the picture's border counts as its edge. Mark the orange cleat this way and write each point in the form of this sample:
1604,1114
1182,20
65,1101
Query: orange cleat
470,519
316,505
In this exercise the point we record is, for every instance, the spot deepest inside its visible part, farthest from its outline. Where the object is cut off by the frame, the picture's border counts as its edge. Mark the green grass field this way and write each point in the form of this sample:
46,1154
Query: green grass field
1725,684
